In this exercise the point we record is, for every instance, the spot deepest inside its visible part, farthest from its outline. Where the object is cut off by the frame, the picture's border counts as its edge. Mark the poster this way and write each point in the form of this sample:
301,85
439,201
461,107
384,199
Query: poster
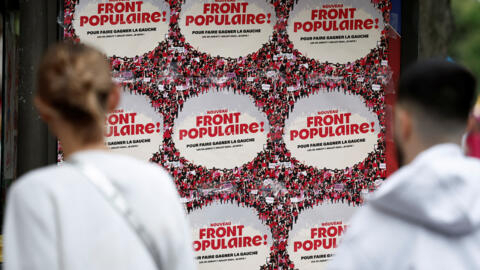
218,27
332,130
335,31
228,236
121,28
214,127
274,115
134,128
317,234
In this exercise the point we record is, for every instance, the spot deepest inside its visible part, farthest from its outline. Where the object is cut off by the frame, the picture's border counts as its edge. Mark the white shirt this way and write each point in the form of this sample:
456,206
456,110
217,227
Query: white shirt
426,216
57,220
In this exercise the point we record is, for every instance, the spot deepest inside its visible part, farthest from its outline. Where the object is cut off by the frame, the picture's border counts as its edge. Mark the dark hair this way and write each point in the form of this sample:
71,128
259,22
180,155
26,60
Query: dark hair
439,87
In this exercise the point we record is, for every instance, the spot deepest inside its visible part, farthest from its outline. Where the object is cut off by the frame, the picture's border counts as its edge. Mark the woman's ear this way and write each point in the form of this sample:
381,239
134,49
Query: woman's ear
113,99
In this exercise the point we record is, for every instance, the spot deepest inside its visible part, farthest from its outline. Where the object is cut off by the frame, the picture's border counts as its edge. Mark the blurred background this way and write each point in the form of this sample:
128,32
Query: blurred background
465,39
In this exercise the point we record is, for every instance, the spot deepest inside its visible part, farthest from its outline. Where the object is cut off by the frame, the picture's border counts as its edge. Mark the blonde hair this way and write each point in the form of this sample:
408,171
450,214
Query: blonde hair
75,80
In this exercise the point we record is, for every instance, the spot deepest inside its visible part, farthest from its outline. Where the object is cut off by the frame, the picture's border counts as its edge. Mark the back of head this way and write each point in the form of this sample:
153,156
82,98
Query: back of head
440,94
75,81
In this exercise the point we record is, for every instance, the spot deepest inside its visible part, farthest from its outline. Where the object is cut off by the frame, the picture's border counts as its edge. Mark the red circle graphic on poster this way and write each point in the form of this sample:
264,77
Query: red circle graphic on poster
337,31
316,235
122,28
227,236
134,128
220,130
232,28
331,130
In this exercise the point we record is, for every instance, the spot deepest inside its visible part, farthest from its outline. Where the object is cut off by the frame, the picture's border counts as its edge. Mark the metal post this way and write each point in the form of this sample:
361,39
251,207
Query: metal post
38,29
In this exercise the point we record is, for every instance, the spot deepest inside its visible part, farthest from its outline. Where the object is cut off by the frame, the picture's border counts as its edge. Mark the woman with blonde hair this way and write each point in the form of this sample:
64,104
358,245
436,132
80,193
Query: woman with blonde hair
98,210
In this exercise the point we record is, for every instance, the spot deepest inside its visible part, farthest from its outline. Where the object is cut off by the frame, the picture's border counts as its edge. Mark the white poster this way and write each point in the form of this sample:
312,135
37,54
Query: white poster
220,130
227,236
331,130
134,128
122,28
335,31
316,235
231,28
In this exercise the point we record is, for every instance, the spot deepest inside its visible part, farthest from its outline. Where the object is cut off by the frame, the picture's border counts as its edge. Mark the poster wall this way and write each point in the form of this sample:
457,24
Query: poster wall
271,116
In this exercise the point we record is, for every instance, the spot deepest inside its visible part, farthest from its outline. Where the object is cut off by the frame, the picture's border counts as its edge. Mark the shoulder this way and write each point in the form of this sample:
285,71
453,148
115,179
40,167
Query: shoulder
42,179
121,160
372,240
137,175
120,166
141,169
36,193
368,223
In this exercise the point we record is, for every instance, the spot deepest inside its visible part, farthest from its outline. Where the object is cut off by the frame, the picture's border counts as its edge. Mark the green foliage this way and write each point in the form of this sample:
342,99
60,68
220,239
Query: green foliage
465,45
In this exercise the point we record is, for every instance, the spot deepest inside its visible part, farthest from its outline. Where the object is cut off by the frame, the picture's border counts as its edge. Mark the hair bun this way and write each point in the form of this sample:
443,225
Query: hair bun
75,80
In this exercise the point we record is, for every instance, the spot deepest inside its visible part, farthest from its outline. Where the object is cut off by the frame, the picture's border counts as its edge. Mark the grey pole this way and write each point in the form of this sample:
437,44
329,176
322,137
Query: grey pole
38,29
